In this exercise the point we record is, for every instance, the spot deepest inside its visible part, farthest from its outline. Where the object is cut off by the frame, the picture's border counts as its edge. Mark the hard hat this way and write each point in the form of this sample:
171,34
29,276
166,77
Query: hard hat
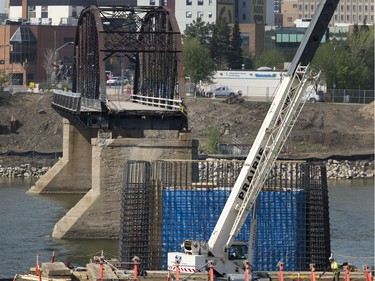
331,258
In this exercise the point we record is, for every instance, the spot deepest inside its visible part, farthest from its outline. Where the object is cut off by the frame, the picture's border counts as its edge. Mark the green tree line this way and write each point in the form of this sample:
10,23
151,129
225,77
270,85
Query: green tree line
345,64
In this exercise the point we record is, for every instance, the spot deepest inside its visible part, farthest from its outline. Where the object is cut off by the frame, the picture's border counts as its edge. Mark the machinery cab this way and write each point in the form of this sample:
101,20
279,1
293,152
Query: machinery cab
238,251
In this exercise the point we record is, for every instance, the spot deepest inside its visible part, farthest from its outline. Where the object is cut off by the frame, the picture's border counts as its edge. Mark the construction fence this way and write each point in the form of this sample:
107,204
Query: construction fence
167,202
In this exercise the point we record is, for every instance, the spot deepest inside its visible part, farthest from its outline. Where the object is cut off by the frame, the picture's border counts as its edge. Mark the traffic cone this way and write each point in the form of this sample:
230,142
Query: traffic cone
299,277
347,274
53,257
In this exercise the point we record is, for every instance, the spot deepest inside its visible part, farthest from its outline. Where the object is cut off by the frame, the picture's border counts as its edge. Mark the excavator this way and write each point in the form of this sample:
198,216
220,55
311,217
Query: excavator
227,255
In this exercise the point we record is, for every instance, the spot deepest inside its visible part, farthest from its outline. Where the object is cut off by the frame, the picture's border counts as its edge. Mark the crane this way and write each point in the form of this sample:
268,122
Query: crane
281,116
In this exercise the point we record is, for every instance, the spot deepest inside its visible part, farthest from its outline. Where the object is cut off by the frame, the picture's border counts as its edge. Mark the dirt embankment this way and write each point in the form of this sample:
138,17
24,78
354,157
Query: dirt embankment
27,122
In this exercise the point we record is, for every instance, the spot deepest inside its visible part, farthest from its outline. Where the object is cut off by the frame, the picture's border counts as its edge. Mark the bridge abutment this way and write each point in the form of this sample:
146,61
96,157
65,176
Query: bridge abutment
96,168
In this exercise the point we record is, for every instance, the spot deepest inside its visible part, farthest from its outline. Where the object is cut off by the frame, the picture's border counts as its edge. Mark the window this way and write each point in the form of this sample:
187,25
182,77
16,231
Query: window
243,4
199,14
188,14
342,8
210,15
188,2
353,8
295,6
200,2
289,19
360,8
366,8
243,16
354,18
74,11
152,3
347,8
44,12
32,12
342,17
360,18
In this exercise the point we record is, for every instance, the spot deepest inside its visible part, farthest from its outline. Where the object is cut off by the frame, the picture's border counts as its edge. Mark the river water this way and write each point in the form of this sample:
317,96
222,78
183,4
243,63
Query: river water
26,223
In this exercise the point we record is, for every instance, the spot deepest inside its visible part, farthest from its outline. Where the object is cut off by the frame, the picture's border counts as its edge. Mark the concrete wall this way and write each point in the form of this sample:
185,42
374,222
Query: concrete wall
97,214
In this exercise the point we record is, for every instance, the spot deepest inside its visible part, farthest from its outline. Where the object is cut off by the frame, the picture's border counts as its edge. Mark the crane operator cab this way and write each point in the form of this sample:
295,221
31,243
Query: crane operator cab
238,251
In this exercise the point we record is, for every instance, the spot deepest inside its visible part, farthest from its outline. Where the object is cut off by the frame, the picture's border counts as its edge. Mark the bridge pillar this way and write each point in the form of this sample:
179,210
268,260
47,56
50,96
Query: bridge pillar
97,214
72,173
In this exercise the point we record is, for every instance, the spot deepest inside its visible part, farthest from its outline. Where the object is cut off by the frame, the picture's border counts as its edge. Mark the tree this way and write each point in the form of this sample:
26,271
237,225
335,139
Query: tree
271,58
220,42
4,78
349,64
197,62
50,57
200,30
235,57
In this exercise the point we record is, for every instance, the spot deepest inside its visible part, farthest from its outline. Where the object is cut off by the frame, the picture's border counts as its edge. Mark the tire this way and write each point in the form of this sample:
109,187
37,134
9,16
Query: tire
312,100
231,95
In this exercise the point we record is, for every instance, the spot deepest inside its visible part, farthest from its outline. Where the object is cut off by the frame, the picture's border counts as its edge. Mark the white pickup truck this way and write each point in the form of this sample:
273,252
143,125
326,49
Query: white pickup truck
223,92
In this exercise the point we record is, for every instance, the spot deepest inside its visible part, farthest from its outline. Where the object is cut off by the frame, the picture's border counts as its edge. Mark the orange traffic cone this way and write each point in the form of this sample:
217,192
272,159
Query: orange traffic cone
53,257
299,277
368,273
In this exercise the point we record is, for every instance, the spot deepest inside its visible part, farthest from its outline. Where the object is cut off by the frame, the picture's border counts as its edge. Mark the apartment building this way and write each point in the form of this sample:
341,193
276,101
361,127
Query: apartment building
348,12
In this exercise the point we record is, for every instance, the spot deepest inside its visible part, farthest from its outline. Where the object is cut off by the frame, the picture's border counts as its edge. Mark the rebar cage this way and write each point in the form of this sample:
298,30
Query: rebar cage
166,202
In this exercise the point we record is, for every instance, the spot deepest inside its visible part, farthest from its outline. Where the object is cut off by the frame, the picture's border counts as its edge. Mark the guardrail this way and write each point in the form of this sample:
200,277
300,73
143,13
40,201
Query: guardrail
173,104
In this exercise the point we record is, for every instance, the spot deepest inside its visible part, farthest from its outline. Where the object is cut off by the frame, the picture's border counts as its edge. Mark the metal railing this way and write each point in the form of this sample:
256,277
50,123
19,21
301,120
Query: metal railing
349,96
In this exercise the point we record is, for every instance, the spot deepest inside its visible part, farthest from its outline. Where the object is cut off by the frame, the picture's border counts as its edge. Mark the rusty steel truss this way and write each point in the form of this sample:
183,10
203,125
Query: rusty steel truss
148,37
147,40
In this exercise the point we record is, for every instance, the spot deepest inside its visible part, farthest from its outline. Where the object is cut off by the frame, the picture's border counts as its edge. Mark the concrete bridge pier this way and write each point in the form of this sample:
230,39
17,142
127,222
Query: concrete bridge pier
72,172
96,168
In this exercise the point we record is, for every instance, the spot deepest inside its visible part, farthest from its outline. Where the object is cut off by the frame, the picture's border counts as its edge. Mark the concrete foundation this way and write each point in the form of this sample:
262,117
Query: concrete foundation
97,169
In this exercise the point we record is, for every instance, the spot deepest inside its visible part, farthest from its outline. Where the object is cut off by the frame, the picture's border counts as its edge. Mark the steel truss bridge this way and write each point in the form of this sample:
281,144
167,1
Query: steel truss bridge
148,38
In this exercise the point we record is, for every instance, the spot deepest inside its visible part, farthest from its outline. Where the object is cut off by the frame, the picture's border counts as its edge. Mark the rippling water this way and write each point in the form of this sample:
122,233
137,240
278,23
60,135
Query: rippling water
26,223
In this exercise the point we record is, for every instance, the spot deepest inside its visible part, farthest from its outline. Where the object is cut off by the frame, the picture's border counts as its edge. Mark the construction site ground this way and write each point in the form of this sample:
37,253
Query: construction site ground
28,123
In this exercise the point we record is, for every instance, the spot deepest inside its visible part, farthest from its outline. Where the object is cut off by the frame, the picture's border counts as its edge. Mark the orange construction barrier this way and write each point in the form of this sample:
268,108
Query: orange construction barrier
312,277
169,276
347,273
281,272
135,271
211,271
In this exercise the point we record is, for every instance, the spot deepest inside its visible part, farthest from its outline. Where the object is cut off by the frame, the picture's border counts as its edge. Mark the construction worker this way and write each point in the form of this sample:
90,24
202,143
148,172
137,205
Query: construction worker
335,269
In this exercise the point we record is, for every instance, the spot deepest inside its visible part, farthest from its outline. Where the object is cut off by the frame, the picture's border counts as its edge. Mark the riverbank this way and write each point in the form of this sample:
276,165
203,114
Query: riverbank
336,169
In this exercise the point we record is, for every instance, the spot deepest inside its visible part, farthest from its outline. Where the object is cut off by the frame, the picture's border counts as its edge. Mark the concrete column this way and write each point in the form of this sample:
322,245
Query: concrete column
97,214
72,173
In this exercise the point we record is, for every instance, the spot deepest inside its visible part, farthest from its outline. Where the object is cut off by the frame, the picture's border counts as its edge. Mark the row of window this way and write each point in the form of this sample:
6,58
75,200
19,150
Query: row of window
199,14
199,2
354,7
44,12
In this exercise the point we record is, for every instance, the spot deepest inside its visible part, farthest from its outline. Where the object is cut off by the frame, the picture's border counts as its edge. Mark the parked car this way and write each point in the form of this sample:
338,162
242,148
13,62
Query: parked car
223,92
114,81
312,97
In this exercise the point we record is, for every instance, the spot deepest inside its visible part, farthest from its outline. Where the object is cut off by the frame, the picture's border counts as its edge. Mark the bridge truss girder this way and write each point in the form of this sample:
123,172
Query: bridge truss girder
149,37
